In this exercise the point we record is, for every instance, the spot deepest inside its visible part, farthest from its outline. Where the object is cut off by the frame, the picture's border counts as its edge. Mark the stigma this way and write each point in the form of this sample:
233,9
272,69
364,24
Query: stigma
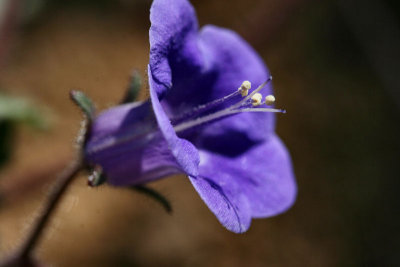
245,102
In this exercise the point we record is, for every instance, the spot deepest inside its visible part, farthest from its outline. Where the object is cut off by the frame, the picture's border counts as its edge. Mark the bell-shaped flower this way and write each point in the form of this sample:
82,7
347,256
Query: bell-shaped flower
202,120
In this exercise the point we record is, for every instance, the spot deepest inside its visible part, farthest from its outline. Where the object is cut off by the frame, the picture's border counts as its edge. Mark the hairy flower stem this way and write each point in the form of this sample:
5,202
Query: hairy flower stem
65,179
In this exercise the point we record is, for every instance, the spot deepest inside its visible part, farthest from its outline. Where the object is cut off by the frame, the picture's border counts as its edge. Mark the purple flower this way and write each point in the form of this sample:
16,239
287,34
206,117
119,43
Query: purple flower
198,123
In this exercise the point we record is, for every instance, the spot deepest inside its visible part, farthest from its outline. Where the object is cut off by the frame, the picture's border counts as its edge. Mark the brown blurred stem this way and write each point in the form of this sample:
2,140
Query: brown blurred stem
21,184
55,195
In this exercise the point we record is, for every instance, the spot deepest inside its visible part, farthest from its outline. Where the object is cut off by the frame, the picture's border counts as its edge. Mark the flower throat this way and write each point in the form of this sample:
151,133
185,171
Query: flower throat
198,116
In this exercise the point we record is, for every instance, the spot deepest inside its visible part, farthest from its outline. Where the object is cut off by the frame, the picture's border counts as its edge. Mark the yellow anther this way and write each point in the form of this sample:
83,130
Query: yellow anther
256,99
244,88
269,99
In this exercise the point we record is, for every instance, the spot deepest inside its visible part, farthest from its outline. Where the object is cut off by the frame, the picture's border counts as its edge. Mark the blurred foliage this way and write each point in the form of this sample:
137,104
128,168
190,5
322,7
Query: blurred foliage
20,110
12,112
31,9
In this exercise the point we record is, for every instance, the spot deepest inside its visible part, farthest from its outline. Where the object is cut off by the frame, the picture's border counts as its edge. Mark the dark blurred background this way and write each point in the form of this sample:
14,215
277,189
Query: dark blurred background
335,66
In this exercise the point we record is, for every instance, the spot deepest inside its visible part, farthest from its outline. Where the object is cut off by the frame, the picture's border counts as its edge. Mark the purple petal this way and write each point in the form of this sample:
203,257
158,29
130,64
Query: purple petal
236,61
185,153
190,68
173,28
259,183
126,142
269,181
232,210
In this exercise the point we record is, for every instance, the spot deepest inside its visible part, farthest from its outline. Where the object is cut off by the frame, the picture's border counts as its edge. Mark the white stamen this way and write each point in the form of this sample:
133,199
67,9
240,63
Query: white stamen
244,88
269,100
256,99
253,99
244,100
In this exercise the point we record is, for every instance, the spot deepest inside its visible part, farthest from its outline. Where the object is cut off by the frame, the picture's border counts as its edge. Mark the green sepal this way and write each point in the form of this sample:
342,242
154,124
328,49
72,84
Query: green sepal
84,103
135,84
155,195
97,177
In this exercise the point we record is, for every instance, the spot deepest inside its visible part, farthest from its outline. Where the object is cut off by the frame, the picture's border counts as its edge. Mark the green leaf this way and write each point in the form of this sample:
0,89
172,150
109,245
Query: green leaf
133,89
84,103
155,195
15,110
20,110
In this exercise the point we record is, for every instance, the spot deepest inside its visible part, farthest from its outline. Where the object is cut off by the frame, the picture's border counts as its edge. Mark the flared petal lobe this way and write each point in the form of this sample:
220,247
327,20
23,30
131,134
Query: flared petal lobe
257,184
232,211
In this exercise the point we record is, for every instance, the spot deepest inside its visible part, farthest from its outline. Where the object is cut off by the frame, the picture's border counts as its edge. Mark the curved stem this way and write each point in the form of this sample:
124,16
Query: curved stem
55,195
